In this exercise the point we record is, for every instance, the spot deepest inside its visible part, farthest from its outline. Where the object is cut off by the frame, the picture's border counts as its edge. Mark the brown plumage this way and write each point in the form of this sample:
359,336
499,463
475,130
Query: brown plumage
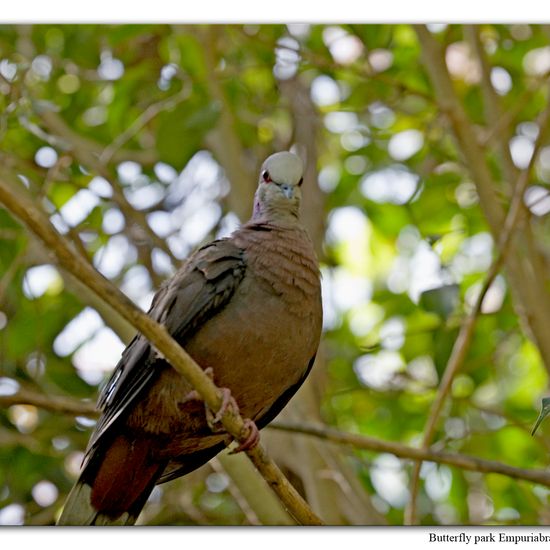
247,307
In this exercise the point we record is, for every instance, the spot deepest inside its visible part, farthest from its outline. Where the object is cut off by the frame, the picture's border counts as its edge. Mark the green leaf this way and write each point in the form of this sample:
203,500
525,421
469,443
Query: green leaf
181,131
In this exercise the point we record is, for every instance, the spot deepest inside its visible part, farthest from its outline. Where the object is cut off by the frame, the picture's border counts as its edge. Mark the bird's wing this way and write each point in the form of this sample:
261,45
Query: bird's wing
201,288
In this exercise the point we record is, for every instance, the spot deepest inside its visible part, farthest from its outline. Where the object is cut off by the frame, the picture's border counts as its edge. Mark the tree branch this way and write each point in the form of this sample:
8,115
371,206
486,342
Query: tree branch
52,403
149,114
36,221
68,136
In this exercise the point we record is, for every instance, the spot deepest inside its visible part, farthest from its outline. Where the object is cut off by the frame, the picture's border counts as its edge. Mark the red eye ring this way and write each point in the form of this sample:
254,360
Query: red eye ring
265,176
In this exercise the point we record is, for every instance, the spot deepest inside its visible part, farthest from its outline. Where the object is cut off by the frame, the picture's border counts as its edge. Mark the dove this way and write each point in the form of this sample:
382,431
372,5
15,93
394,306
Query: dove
247,309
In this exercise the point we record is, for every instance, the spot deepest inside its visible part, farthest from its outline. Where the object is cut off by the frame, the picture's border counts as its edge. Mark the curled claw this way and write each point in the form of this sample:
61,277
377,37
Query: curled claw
227,402
214,420
252,439
193,395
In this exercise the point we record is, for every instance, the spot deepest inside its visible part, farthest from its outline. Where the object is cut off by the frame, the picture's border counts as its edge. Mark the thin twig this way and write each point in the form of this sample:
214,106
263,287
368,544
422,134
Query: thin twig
149,114
37,222
78,146
52,403
235,492
492,106
64,137
508,116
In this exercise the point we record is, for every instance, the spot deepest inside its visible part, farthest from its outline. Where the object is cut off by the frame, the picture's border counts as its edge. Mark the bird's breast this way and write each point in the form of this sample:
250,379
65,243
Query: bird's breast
258,345
282,262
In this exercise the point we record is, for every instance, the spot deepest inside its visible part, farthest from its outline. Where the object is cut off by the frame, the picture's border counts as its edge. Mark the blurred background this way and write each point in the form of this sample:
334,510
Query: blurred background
141,142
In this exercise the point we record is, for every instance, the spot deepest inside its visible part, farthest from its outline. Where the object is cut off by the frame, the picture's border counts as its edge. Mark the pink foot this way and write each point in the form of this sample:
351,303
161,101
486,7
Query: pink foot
228,402
214,420
193,395
252,439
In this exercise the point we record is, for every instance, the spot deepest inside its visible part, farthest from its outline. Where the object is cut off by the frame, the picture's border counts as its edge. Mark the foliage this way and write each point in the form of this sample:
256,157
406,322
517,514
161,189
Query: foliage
143,141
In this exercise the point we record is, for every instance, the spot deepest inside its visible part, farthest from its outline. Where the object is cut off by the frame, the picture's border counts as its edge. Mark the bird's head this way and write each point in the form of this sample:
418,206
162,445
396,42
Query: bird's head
279,188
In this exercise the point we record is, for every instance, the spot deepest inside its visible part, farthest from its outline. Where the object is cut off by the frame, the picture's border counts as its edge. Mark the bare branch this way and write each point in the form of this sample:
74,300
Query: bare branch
52,403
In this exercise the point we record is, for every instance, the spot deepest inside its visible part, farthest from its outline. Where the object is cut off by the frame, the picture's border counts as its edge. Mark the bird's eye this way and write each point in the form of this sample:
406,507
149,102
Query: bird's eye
301,181
265,176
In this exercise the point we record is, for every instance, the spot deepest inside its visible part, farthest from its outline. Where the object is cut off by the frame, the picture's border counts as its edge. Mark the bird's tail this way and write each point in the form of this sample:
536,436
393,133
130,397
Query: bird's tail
78,510
114,485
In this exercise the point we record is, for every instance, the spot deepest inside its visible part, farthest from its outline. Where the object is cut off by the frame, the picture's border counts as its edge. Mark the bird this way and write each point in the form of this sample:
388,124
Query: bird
247,308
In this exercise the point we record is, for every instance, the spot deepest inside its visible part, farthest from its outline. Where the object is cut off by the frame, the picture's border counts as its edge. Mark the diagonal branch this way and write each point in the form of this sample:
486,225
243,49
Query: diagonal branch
23,208
63,136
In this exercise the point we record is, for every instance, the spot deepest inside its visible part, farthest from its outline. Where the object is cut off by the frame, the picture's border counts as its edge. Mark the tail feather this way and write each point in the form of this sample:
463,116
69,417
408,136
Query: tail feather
114,485
78,510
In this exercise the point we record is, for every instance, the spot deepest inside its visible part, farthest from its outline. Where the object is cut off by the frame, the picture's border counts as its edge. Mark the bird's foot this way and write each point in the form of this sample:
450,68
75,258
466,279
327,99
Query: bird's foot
193,395
214,420
228,402
251,440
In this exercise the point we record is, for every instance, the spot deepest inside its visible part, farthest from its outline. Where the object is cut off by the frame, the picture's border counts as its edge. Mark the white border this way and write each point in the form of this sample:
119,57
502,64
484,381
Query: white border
267,538
255,11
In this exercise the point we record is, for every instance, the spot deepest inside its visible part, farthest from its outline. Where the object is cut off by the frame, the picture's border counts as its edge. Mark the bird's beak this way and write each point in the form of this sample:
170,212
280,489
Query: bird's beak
288,190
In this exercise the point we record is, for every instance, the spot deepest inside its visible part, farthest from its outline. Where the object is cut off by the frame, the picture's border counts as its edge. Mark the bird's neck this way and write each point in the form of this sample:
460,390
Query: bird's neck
275,213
